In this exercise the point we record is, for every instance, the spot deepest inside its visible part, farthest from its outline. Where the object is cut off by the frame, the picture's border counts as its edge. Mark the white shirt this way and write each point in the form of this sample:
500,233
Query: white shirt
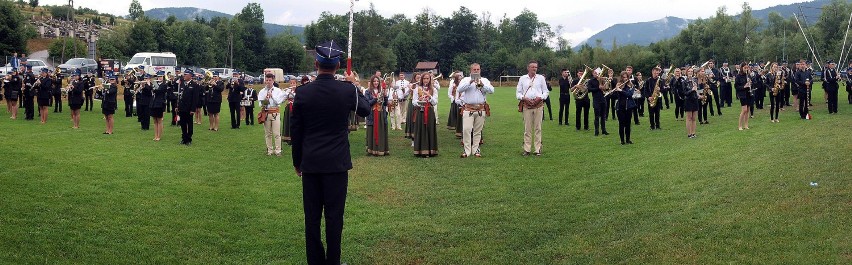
474,95
537,87
401,88
416,97
275,100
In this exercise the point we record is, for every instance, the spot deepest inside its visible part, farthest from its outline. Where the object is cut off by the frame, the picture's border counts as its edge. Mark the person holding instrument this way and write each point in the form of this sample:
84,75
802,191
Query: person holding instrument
110,102
743,85
158,104
625,106
531,92
473,90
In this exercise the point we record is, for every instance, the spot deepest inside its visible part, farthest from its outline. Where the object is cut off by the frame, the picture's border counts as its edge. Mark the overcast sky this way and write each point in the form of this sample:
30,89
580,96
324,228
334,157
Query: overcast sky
580,19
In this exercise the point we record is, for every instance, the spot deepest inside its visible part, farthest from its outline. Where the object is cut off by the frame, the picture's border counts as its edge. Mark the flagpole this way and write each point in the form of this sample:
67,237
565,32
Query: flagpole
349,48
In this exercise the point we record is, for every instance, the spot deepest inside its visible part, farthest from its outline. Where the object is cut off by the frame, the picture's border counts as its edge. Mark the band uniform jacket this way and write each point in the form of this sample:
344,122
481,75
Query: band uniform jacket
739,84
830,78
75,96
110,98
320,124
189,96
143,98
215,94
234,90
595,89
45,89
160,96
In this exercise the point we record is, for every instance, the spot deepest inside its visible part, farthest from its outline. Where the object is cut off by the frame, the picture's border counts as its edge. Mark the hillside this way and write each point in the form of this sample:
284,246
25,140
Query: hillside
661,29
190,13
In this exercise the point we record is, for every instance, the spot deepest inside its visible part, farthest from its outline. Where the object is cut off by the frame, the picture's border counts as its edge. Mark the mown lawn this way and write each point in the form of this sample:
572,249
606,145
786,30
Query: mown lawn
80,197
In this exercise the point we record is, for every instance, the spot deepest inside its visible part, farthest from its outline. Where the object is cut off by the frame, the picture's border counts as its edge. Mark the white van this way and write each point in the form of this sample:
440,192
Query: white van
153,62
278,72
224,73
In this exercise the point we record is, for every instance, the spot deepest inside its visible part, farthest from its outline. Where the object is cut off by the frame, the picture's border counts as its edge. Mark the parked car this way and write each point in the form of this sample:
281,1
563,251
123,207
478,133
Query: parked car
36,64
223,72
153,62
84,64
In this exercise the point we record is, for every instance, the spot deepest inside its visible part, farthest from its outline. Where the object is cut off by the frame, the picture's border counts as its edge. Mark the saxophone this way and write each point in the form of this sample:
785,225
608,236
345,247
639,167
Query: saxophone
776,87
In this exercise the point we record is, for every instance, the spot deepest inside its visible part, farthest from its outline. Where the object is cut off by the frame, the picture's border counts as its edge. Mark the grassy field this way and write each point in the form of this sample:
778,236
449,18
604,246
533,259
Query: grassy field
77,196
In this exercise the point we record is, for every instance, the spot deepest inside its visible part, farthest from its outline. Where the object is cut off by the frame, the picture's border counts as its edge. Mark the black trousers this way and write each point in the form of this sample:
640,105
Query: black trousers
57,102
128,107
186,121
324,193
601,111
29,108
234,109
803,104
702,112
787,92
849,95
144,116
727,93
612,102
832,99
172,105
90,105
759,97
549,112
775,102
169,106
717,100
249,115
666,98
564,104
679,108
582,108
624,124
641,103
654,115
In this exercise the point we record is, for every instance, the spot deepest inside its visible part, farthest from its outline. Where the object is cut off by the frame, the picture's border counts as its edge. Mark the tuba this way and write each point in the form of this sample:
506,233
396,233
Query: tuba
580,91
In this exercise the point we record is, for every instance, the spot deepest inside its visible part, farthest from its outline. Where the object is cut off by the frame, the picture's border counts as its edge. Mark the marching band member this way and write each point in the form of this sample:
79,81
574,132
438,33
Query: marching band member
531,91
691,100
759,89
29,93
473,91
75,98
410,113
581,104
110,102
425,135
803,81
271,98
89,92
701,76
128,83
45,92
401,88
831,87
637,98
143,102
377,121
849,83
725,88
599,101
289,96
565,96
158,104
675,86
171,98
57,91
12,92
714,77
235,94
214,101
189,94
625,106
453,114
250,97
457,99
789,85
776,98
353,117
647,92
743,85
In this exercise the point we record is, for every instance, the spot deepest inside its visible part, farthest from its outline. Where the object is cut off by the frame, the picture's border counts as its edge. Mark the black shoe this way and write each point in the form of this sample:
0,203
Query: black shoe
629,142
578,128
526,154
587,128
560,123
623,143
658,128
605,133
596,133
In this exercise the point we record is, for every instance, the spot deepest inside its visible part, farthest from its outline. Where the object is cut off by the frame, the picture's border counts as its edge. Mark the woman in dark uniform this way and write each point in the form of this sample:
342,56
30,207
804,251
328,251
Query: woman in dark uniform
158,105
742,83
75,98
214,101
625,106
12,91
691,101
675,86
377,122
110,103
44,94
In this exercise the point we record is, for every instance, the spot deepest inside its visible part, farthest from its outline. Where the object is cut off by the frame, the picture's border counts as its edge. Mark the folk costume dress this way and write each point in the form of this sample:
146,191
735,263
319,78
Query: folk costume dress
424,128
377,123
289,95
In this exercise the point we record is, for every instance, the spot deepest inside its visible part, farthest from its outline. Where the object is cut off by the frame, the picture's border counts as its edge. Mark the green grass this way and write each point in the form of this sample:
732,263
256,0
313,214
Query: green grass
77,196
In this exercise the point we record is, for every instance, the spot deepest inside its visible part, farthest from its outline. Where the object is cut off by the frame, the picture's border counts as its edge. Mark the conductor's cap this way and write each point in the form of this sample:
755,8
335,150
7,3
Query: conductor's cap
328,53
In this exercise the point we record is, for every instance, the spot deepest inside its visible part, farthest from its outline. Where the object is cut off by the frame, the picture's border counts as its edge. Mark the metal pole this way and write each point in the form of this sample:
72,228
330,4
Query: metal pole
843,48
807,41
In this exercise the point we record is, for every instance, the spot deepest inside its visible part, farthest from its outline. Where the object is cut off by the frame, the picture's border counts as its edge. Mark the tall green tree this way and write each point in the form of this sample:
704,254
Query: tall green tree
67,46
13,37
254,38
286,52
141,37
135,10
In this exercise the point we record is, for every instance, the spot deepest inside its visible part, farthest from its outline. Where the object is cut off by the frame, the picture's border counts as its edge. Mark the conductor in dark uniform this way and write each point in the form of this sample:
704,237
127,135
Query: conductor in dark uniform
235,94
831,76
143,102
320,147
128,84
189,96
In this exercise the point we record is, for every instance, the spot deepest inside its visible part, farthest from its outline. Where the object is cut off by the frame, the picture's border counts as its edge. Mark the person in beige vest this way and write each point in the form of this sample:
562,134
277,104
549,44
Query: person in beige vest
531,91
